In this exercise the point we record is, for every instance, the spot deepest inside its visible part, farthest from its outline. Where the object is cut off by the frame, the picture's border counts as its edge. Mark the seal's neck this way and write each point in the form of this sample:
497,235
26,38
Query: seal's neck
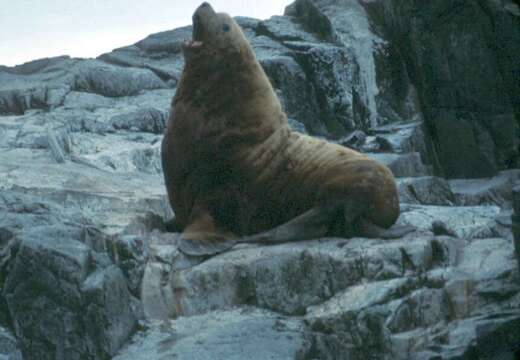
233,89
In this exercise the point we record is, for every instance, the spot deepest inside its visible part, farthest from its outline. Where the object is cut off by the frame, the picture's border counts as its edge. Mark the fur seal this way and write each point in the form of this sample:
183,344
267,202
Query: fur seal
233,168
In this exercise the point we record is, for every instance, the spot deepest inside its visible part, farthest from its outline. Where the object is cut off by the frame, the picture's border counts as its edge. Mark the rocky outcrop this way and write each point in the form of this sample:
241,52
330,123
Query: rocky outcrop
462,58
88,271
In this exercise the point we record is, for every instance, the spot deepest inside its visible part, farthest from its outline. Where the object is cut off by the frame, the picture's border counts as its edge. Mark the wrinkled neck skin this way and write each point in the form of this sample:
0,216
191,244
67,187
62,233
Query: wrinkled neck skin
231,91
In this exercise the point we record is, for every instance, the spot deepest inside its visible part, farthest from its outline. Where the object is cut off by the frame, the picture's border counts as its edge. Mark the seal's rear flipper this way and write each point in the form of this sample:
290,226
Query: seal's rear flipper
369,230
312,224
206,247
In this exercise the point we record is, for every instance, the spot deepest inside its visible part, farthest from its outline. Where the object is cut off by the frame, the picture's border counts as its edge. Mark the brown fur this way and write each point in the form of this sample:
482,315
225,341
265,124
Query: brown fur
232,165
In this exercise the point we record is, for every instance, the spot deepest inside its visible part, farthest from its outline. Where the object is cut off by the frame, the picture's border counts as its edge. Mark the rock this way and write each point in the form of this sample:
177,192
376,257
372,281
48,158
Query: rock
489,191
143,120
112,81
312,18
296,93
85,260
480,127
159,53
426,190
330,71
268,276
130,254
64,300
403,165
516,221
43,296
466,222
8,346
108,314
234,334
283,28
38,84
354,140
401,138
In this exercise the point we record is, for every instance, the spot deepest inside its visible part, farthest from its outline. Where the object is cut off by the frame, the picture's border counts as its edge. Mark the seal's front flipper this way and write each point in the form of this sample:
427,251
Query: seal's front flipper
313,224
203,238
369,230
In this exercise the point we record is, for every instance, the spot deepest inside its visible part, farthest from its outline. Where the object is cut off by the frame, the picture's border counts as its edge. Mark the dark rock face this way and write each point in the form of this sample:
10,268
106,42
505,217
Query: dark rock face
461,57
516,221
65,301
88,271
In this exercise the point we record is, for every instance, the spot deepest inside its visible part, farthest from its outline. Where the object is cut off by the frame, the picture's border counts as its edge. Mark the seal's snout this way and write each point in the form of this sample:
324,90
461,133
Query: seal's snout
204,7
201,18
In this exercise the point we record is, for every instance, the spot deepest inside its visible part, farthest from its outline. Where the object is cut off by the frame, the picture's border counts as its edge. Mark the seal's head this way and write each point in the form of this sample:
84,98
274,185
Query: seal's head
214,34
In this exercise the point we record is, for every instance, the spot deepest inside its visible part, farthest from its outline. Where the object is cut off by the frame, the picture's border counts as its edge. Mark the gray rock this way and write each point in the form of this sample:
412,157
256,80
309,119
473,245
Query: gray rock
479,127
466,222
269,276
497,190
329,69
43,296
65,301
234,334
283,28
403,165
401,138
296,93
107,314
312,18
83,252
516,221
111,81
143,120
8,346
426,190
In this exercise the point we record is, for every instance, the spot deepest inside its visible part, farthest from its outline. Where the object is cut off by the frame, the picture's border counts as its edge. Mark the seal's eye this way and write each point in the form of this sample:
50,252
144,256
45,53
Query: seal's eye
225,27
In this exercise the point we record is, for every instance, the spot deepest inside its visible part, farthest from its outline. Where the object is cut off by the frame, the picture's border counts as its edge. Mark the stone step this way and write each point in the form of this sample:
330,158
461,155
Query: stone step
497,190
403,165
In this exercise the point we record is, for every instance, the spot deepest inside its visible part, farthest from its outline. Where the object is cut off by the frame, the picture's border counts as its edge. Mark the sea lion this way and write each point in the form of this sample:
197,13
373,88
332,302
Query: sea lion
233,168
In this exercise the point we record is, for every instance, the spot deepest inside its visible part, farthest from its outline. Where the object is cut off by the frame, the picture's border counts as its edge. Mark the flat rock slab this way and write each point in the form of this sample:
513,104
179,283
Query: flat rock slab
227,335
461,221
403,165
497,190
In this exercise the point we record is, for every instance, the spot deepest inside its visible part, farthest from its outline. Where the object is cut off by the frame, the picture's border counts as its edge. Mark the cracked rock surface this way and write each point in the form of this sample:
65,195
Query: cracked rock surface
88,271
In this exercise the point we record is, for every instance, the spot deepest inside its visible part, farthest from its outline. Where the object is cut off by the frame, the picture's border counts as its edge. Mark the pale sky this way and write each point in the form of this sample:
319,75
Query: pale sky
33,29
